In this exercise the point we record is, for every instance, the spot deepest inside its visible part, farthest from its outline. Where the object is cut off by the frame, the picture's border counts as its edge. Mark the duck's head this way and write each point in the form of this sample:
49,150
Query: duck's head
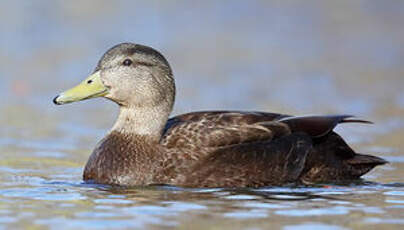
129,74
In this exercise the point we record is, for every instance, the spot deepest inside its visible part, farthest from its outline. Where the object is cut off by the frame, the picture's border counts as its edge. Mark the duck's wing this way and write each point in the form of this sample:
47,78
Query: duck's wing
276,162
225,128
257,149
221,128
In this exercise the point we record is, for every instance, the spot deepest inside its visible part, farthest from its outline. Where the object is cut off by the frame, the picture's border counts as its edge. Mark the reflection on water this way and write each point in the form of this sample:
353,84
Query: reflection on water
76,205
281,56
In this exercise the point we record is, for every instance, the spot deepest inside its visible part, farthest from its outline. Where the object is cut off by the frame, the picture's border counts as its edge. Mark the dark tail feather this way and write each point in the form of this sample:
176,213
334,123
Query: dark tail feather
362,163
366,159
355,121
318,126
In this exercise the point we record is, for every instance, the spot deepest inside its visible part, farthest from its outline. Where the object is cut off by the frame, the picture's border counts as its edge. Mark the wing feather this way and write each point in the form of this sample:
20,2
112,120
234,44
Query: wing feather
218,129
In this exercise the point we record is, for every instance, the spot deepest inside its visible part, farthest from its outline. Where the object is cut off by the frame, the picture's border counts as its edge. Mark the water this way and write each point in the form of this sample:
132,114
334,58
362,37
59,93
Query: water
317,57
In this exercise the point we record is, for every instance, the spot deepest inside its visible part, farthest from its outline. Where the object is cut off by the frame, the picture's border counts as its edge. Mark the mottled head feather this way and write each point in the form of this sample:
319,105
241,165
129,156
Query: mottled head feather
145,53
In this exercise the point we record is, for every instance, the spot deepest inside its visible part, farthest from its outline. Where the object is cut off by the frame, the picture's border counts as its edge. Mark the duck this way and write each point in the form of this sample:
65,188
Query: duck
205,148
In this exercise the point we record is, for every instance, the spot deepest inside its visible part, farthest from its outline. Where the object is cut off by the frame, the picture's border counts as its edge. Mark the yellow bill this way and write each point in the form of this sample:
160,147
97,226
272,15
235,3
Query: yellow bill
91,87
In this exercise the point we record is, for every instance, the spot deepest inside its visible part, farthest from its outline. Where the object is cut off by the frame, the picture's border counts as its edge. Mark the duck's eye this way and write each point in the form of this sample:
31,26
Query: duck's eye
127,62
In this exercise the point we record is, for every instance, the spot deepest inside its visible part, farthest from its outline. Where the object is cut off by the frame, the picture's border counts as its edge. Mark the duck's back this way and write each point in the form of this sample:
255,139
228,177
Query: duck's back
238,149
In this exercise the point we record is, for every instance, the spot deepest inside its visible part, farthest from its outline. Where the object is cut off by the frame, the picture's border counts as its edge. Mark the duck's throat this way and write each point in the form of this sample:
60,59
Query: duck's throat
143,121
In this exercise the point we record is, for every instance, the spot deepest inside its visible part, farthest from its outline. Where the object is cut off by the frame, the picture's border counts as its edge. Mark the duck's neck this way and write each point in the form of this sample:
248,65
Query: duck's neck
143,121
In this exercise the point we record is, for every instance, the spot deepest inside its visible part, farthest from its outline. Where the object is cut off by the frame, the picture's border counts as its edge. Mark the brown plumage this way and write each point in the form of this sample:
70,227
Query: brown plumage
211,148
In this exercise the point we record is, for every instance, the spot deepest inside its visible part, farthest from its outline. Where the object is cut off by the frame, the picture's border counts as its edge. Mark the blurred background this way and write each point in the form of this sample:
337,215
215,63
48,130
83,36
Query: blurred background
296,57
